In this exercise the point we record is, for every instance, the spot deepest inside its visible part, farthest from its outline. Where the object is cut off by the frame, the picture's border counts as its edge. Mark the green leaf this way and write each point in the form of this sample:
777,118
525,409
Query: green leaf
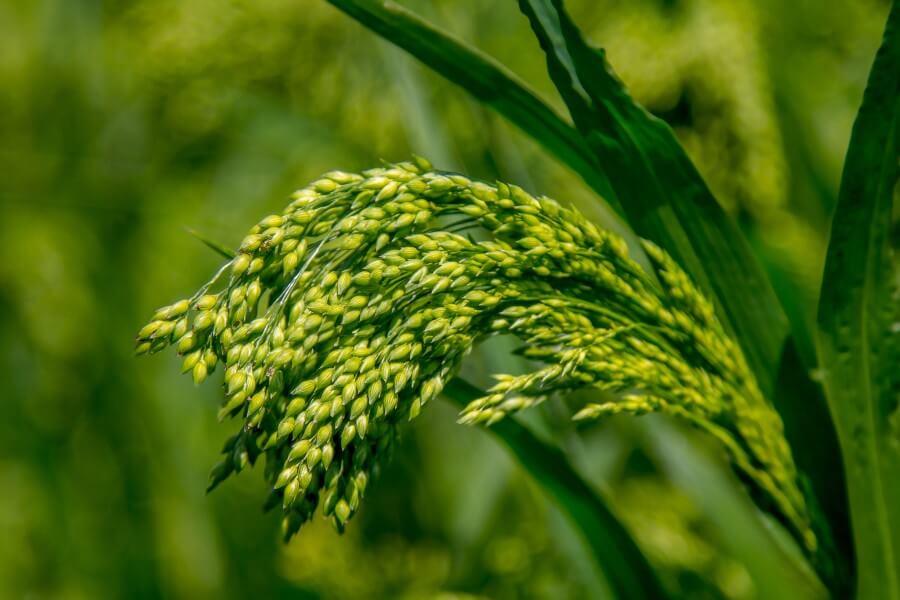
711,244
667,201
484,78
663,195
616,553
859,324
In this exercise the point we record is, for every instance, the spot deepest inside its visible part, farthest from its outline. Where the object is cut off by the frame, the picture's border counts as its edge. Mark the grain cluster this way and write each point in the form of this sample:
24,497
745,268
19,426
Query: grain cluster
341,318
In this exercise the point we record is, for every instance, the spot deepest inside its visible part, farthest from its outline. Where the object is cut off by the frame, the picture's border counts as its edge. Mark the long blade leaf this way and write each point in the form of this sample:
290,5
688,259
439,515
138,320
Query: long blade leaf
667,201
488,81
616,553
663,195
859,324
484,78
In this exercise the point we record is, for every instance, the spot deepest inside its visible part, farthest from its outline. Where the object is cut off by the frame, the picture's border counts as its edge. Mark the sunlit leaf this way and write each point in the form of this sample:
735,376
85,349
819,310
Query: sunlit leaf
859,324
485,79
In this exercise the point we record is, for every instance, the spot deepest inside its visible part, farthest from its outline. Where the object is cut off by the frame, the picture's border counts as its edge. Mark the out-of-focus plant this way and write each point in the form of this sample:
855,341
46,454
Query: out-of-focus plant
515,562
672,532
369,298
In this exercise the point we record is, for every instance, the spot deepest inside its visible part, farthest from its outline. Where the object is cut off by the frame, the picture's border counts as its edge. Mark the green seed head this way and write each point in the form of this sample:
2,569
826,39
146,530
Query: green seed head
343,316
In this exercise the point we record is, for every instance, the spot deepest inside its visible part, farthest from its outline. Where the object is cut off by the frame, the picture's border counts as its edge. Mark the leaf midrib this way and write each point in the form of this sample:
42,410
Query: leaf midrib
883,515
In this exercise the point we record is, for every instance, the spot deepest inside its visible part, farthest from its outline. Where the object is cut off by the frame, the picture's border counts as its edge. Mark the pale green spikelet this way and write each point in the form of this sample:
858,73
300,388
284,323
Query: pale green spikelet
341,318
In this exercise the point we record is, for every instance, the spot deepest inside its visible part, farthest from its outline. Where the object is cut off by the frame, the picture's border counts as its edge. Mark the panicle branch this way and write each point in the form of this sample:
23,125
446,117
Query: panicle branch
342,317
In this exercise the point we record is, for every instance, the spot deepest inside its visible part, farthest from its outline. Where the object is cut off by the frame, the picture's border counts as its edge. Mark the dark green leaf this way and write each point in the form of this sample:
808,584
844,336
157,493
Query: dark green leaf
859,324
719,250
485,79
661,192
667,201
623,564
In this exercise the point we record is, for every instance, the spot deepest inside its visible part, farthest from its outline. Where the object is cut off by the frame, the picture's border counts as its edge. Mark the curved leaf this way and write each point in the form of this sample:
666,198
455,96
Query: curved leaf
617,554
663,195
710,244
667,201
485,79
859,324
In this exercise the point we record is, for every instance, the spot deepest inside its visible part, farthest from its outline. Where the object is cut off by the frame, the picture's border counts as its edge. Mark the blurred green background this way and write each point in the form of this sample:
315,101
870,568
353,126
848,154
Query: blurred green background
123,122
